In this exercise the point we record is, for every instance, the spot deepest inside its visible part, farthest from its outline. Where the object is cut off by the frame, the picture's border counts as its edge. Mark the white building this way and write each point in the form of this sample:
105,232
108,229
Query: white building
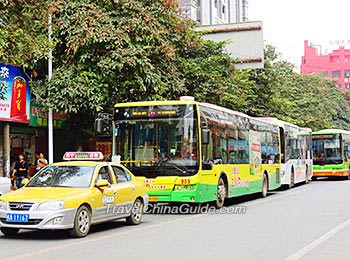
210,12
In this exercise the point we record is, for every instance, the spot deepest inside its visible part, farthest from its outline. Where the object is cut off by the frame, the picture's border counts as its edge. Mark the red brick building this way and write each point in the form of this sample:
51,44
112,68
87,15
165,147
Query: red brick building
335,65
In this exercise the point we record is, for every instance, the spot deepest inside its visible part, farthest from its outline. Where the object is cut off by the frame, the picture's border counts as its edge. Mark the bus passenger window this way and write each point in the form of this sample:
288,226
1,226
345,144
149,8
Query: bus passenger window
243,146
264,157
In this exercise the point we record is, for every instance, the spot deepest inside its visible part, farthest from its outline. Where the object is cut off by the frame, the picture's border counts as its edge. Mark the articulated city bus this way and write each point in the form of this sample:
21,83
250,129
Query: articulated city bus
331,150
296,150
186,151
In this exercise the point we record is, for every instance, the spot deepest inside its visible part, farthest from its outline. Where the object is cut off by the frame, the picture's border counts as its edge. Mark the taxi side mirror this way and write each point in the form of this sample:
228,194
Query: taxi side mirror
102,183
25,181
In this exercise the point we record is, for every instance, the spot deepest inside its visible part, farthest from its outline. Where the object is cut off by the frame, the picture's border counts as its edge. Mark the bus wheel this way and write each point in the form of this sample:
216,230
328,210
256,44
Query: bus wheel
307,175
221,194
264,187
291,184
314,178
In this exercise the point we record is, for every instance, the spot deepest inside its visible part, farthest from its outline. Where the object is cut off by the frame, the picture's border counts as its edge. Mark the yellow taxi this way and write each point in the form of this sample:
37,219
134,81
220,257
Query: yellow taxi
74,194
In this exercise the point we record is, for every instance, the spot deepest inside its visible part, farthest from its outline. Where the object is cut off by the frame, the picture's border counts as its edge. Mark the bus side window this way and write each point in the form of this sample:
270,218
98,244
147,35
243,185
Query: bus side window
243,146
264,157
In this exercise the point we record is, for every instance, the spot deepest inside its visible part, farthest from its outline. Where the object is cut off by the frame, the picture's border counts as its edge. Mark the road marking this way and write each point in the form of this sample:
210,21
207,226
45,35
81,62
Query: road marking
277,197
86,241
319,241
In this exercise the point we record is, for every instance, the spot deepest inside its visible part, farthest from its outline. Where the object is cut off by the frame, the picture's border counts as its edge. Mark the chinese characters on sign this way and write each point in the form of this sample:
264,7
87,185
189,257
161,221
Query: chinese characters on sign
38,117
14,85
105,147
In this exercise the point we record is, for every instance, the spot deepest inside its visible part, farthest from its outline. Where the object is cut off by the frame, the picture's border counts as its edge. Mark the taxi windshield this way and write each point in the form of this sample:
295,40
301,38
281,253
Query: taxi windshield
63,176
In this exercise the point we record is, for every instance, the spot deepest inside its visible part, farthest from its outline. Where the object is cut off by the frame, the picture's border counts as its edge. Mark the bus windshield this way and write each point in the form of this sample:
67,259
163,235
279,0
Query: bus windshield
158,140
327,149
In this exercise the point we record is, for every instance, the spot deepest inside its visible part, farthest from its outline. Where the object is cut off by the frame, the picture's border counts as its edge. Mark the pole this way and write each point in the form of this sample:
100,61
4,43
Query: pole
6,149
50,117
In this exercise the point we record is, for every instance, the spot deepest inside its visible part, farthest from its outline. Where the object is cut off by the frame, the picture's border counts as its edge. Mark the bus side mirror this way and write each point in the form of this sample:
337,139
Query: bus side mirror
205,136
98,125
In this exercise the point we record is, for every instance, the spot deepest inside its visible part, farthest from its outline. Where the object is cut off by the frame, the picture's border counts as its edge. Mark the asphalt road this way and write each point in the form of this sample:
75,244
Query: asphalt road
308,222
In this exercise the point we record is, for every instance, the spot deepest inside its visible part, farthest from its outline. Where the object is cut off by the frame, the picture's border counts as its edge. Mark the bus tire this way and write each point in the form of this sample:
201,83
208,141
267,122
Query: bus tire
221,193
314,178
82,222
291,184
265,186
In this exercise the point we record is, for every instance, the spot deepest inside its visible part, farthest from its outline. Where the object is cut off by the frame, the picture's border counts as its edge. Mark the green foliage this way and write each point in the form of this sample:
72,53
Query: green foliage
105,52
23,27
305,100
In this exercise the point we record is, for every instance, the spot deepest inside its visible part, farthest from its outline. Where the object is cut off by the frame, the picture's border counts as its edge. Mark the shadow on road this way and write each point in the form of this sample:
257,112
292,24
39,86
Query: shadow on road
56,235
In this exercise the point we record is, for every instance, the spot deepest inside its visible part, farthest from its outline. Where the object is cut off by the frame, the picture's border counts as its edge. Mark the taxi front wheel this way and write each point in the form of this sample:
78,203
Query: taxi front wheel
136,213
9,231
82,223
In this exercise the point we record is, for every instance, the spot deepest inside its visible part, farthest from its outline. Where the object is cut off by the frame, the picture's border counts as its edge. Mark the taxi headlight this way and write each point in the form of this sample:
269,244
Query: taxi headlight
51,205
3,205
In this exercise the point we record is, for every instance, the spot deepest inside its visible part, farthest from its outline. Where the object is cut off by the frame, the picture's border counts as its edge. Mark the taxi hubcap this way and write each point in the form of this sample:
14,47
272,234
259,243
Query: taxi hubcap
83,221
137,210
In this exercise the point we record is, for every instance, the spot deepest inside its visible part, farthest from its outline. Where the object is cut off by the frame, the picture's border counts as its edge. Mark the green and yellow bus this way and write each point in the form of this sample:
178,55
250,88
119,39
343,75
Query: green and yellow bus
187,151
331,150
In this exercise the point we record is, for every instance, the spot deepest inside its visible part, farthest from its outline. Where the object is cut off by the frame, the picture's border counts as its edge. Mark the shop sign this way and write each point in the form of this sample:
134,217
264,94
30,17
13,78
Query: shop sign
14,85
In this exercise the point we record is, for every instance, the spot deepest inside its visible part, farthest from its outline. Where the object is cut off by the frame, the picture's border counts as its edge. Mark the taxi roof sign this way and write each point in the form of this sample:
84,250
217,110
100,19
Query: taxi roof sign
83,156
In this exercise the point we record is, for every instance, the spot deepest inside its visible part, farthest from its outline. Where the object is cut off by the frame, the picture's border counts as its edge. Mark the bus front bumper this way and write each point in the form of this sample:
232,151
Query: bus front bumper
330,173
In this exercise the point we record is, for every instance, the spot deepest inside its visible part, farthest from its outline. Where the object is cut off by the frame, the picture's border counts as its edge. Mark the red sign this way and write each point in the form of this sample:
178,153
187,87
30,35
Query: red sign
83,156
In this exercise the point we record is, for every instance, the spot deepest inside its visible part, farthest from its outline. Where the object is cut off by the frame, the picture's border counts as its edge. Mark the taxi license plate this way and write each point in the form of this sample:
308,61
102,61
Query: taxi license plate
153,198
19,218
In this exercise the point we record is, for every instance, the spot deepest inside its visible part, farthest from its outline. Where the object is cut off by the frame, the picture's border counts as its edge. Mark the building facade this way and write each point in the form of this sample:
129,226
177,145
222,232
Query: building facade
211,12
334,65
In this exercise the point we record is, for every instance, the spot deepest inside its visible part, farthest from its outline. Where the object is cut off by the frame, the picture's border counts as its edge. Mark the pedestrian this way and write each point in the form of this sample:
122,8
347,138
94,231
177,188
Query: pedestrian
34,166
20,171
42,162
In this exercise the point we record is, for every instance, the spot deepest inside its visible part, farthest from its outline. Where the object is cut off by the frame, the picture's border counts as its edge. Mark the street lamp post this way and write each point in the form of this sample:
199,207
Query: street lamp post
50,117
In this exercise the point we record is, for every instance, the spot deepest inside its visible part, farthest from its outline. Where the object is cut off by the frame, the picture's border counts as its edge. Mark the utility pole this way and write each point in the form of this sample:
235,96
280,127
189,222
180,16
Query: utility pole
7,149
50,116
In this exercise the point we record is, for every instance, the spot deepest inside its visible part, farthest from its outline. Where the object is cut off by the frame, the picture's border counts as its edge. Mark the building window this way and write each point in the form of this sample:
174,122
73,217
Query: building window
216,4
322,74
347,86
336,74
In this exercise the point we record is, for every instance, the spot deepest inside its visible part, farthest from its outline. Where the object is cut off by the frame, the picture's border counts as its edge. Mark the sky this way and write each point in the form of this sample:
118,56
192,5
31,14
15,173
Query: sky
287,23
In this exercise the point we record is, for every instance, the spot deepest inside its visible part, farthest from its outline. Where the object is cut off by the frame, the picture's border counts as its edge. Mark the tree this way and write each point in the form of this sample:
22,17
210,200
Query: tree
23,32
305,100
109,52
